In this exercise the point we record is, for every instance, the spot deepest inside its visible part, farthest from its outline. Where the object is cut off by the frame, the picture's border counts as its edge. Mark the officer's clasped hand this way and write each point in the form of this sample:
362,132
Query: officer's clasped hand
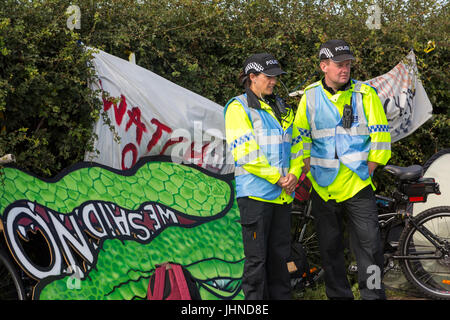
288,183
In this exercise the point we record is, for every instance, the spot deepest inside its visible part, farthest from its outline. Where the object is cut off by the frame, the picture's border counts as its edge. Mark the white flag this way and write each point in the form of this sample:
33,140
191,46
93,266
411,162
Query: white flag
404,99
153,116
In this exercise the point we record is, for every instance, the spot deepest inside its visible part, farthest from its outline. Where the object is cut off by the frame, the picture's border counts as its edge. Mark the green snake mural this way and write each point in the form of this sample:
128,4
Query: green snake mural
107,229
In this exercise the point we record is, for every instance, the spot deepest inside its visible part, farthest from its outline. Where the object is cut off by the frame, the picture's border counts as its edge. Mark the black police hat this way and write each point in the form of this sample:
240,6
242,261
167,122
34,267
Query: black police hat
262,62
336,50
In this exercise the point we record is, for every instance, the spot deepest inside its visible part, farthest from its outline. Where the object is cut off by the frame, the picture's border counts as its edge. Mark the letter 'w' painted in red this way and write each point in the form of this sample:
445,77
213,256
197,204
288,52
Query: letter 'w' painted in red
118,112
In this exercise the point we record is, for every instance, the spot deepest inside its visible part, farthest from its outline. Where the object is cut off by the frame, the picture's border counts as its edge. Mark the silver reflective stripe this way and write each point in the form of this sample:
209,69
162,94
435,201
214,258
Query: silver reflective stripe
353,131
260,137
240,171
296,155
306,145
264,140
256,120
380,146
326,163
287,138
255,117
243,99
359,104
310,103
357,156
323,133
251,156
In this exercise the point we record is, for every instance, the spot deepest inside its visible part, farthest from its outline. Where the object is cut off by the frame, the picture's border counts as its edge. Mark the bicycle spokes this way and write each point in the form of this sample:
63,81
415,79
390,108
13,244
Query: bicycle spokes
425,252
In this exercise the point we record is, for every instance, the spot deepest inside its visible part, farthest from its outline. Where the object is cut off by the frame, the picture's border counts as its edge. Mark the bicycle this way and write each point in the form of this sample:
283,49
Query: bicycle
305,247
11,285
423,246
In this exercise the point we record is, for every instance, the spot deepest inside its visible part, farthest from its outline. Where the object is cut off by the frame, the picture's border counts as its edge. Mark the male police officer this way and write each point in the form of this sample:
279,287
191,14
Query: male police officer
345,136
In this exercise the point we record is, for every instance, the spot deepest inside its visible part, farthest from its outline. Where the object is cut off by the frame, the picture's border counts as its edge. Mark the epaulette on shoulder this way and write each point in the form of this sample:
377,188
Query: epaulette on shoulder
312,85
362,87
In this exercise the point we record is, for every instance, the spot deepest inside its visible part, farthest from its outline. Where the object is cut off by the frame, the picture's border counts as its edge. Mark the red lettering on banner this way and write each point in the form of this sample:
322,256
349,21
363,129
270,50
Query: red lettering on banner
118,111
157,134
171,142
198,157
149,222
135,117
129,147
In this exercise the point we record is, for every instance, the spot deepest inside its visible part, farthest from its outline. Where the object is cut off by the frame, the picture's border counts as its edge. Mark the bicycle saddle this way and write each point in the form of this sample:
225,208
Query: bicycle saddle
410,173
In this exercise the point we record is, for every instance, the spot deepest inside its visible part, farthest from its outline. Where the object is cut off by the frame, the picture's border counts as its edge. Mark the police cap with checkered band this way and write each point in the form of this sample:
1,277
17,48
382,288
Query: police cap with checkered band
264,63
336,50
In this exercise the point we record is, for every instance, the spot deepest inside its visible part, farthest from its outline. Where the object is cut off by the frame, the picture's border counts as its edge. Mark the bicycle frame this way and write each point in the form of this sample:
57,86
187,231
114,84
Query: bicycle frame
403,210
430,237
306,215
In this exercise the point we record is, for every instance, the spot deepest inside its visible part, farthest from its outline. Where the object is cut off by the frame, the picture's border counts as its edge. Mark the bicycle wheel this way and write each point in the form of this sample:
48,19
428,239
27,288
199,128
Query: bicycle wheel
11,287
429,270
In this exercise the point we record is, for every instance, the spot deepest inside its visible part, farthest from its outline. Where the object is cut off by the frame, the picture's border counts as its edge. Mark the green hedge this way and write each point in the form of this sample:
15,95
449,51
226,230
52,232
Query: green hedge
48,107
200,45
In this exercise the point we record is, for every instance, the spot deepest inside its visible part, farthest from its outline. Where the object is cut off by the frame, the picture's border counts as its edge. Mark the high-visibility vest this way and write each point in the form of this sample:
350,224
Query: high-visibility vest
333,144
274,142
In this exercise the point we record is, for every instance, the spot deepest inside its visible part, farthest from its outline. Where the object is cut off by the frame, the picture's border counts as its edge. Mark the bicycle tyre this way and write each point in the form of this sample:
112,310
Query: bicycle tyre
430,276
11,287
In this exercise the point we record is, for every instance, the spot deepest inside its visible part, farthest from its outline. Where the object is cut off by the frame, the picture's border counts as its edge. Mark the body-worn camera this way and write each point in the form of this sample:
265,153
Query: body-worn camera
347,116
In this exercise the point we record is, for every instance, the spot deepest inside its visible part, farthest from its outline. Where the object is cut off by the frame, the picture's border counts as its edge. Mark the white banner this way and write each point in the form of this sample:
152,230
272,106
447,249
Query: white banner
153,116
404,99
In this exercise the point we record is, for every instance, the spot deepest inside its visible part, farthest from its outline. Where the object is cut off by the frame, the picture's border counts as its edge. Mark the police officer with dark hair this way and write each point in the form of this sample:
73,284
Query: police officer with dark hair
267,151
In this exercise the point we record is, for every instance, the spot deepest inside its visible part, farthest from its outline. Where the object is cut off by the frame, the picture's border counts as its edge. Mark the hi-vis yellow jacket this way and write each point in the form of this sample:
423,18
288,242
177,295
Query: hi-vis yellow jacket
241,135
347,183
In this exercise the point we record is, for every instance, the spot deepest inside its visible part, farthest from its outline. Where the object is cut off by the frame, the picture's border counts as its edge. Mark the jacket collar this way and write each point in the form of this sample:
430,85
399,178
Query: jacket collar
254,102
252,99
345,87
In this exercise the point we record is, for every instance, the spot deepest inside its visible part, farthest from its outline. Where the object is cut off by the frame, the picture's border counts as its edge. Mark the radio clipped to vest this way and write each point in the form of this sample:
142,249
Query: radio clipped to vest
280,108
347,116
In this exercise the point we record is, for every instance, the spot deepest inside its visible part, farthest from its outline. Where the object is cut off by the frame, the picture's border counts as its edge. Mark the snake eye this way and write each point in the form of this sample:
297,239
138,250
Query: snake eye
223,288
228,285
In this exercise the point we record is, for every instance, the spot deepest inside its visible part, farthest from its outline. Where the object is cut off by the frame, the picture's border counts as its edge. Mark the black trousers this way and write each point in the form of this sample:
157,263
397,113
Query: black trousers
266,235
365,243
